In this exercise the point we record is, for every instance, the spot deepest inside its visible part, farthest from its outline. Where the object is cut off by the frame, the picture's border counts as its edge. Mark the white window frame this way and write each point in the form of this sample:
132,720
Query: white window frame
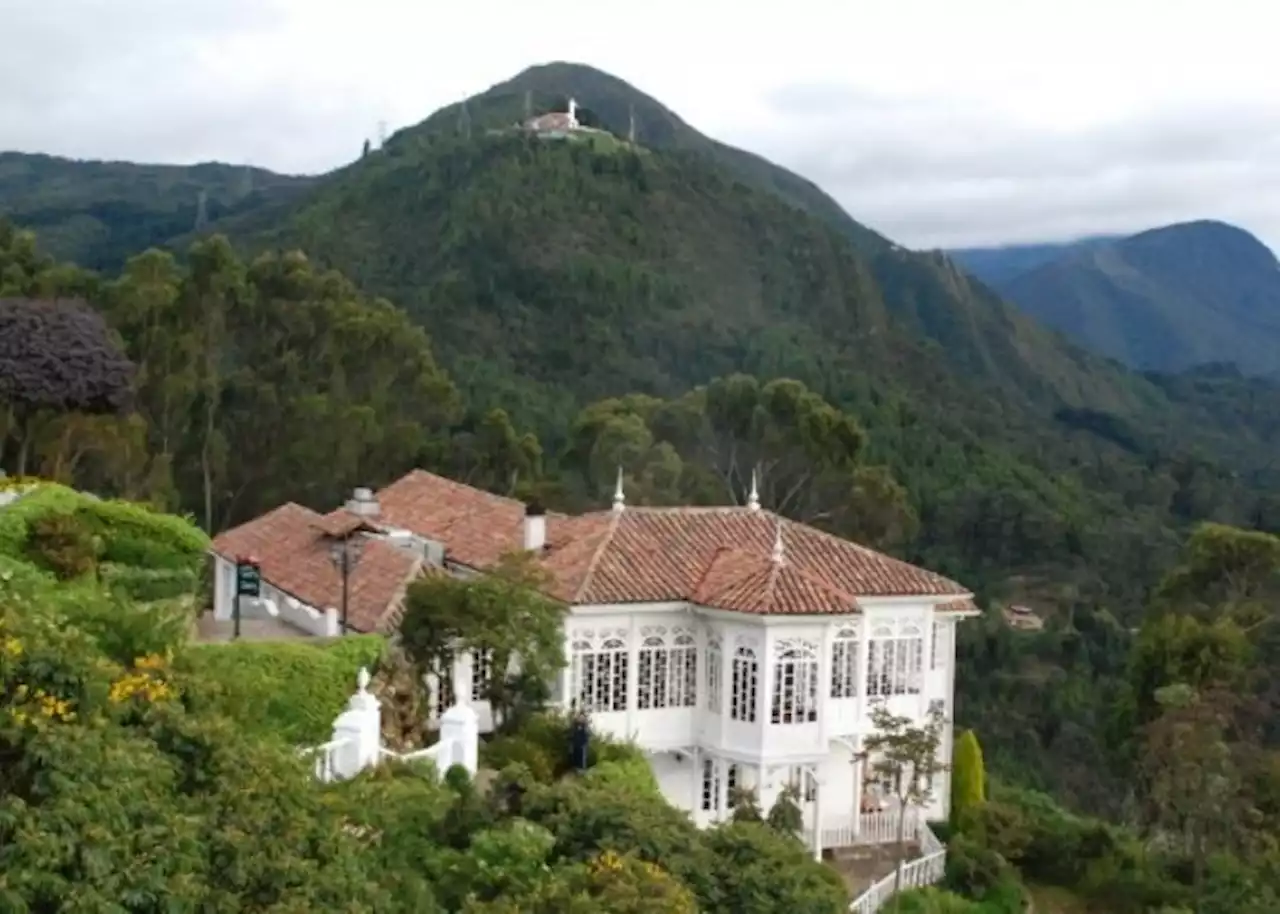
744,700
845,678
795,683
600,673
715,673
895,660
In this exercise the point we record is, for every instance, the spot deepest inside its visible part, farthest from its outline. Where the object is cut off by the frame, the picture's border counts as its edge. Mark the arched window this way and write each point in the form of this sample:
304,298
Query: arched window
599,674
683,691
844,664
667,673
715,670
895,660
653,673
795,683
746,674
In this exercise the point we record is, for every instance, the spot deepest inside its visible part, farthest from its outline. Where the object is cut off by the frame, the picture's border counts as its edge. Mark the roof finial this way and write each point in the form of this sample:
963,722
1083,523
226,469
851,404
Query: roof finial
753,500
362,680
778,556
619,499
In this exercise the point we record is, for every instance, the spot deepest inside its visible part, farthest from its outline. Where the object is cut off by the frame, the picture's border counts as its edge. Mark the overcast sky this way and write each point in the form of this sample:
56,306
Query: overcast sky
938,122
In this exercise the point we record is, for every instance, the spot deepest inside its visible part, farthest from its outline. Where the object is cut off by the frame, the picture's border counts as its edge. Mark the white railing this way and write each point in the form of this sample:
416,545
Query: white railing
927,869
431,752
326,758
873,828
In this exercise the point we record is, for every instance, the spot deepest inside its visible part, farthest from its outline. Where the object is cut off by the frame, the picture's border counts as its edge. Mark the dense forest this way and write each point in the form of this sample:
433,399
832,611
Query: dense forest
529,315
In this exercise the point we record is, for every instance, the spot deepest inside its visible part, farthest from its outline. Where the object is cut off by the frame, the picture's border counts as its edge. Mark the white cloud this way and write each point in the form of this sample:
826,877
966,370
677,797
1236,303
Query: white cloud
937,122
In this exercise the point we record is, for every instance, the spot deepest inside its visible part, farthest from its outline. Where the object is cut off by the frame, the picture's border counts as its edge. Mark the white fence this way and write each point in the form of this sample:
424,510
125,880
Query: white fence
872,828
927,869
357,739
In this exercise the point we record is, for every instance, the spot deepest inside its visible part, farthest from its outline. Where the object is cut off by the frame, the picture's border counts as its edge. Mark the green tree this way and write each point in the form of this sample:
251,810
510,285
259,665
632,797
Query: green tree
968,779
905,755
785,816
504,614
1192,784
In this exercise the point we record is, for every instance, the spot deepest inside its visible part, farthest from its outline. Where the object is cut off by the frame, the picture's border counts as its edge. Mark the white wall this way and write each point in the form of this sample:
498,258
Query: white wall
772,751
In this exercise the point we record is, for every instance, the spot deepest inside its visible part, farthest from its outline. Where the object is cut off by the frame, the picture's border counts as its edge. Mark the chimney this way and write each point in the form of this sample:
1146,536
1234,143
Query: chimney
363,503
535,526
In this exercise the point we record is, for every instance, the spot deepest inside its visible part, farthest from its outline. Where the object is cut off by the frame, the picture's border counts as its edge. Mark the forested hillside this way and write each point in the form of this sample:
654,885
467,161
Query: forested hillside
551,274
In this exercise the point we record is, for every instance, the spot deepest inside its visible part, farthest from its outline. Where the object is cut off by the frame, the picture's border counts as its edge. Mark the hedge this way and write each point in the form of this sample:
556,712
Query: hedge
146,585
135,535
289,689
131,534
16,518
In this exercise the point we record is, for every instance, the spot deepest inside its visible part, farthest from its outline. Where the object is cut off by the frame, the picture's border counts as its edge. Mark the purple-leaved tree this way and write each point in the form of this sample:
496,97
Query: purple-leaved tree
55,357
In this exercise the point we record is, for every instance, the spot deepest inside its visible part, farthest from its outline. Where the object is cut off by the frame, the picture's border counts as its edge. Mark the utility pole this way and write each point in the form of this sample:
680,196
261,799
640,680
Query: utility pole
631,123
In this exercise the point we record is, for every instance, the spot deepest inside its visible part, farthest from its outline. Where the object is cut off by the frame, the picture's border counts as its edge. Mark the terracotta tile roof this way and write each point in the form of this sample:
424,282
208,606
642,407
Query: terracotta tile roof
294,553
718,557
476,526
722,557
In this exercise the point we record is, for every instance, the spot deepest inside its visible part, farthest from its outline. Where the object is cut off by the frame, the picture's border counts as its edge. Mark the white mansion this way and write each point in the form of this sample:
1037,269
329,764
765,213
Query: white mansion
737,648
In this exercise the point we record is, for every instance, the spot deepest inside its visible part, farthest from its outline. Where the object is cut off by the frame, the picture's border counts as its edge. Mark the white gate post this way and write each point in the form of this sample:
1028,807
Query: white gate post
360,730
460,732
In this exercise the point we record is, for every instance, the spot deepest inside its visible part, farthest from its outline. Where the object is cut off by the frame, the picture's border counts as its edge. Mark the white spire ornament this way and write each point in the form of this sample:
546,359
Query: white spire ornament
753,500
619,499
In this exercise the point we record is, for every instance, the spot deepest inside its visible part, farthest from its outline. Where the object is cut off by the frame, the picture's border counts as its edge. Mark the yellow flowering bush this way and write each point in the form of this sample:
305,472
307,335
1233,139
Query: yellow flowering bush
624,882
146,681
27,705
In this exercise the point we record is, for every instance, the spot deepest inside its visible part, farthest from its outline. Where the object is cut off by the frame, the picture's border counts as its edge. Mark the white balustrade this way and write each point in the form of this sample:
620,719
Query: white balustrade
357,740
927,869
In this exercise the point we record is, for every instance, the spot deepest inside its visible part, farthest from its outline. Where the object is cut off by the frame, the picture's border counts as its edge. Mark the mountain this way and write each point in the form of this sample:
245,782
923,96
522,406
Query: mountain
997,265
99,213
1164,300
552,273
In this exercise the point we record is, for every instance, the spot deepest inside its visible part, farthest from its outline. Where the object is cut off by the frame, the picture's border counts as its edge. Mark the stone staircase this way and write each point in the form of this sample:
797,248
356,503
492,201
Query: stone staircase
861,866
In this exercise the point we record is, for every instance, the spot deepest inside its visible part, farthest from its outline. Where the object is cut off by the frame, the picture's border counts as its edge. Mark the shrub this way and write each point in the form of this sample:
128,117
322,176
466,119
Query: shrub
62,544
968,780
288,689
16,518
22,577
520,750
137,536
974,870
550,730
147,585
130,534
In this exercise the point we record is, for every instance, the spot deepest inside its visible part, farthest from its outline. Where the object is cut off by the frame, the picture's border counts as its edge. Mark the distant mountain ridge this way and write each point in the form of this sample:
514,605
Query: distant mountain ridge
99,213
997,264
1167,299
